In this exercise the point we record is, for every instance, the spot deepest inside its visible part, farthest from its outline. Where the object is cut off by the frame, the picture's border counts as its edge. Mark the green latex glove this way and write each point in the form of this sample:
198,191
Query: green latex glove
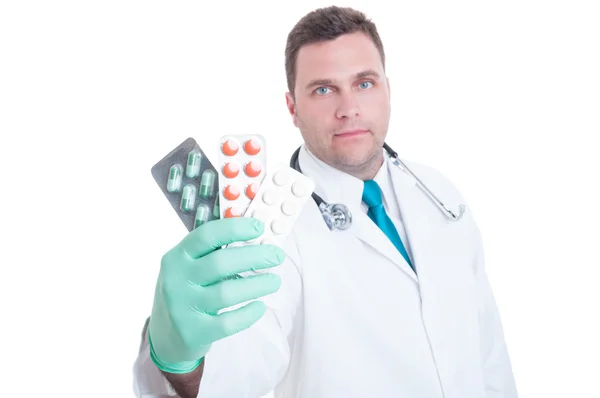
195,282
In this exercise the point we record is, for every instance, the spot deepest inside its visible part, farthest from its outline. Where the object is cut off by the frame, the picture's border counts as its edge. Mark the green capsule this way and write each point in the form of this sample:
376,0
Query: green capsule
216,208
193,164
207,184
188,198
175,178
202,213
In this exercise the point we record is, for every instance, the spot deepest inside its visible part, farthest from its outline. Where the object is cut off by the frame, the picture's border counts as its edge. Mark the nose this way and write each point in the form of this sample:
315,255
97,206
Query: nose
348,107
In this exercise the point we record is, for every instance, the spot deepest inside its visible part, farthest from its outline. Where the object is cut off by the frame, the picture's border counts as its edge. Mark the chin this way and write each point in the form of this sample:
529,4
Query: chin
354,157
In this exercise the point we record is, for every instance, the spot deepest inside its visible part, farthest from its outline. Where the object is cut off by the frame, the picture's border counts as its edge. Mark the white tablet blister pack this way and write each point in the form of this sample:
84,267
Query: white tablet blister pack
278,203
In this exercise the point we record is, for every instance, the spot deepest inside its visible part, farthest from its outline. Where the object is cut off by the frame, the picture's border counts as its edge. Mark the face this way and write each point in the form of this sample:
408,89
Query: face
342,103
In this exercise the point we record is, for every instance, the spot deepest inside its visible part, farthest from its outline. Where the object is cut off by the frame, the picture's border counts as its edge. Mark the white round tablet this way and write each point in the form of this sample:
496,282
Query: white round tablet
289,208
278,227
299,188
270,197
281,178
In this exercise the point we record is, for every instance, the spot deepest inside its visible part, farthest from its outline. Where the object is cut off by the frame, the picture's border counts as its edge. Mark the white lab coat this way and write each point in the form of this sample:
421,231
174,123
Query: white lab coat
353,320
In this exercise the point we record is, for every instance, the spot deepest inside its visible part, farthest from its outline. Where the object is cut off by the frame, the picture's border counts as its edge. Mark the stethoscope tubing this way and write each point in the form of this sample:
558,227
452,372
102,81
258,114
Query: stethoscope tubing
347,217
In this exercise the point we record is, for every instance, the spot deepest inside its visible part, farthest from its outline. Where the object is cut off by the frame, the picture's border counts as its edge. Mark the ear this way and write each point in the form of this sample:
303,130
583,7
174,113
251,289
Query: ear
291,105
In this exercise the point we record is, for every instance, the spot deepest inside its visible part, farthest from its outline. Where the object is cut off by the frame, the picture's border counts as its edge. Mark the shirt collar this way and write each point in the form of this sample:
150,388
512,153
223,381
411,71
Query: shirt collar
336,186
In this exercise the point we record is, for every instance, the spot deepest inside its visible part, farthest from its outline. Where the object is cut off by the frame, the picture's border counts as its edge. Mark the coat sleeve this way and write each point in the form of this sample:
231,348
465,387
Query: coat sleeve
499,379
148,381
248,364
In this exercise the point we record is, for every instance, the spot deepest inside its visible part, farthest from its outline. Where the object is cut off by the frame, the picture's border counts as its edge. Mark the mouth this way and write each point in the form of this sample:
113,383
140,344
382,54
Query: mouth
351,133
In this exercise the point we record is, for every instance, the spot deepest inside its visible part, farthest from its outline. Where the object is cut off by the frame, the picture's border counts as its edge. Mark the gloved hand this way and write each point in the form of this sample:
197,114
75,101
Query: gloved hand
192,287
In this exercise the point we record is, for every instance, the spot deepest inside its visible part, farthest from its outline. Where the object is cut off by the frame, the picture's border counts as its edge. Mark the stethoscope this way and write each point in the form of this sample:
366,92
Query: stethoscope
337,216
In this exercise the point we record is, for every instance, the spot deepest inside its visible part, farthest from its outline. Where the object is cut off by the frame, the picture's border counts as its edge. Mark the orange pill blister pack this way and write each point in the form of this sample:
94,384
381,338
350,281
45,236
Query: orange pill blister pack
241,167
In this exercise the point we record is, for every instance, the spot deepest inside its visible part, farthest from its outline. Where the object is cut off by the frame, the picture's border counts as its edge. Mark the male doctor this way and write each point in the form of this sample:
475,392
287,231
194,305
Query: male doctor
397,305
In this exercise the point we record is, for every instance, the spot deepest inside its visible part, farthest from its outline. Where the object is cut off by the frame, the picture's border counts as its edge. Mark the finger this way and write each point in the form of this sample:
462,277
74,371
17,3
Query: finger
217,233
230,261
232,322
232,292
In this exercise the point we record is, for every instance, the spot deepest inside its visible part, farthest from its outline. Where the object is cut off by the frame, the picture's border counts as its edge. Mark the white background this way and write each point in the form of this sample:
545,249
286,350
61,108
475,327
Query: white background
503,97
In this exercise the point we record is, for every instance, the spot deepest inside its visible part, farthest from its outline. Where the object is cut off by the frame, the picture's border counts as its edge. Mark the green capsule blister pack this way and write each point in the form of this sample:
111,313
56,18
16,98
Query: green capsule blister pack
190,182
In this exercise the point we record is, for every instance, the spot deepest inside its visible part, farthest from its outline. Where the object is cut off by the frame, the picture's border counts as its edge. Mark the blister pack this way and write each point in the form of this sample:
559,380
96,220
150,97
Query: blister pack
241,169
278,203
190,182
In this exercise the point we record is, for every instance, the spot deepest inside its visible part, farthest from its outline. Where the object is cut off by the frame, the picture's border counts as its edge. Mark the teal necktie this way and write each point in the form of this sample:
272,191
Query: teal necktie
372,197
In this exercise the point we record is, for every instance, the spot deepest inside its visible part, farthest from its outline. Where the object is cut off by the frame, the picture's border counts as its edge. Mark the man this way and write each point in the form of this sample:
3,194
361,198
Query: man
397,305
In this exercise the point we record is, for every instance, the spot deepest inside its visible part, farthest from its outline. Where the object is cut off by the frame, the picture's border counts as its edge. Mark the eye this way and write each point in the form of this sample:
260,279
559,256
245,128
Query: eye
321,90
365,84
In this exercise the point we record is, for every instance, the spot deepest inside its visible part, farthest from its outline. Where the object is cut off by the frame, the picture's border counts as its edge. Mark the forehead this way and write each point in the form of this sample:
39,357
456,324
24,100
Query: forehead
338,59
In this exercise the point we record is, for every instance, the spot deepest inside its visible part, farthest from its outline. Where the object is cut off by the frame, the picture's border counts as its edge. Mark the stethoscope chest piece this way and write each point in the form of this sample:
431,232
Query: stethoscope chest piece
337,216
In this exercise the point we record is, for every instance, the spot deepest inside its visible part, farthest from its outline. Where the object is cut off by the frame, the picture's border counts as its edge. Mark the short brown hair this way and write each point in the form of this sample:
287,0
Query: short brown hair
323,24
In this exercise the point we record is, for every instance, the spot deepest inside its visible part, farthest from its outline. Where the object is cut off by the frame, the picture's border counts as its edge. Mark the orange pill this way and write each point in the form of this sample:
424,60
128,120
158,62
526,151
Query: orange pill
231,170
252,147
232,212
251,190
231,192
230,148
253,169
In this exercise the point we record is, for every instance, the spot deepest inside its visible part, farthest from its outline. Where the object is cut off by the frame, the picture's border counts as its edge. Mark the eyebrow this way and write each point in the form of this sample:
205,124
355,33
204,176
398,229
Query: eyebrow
359,75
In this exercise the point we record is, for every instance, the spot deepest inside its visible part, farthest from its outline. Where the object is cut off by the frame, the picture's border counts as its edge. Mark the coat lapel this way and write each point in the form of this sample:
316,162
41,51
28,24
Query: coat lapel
415,210
370,234
410,199
417,214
